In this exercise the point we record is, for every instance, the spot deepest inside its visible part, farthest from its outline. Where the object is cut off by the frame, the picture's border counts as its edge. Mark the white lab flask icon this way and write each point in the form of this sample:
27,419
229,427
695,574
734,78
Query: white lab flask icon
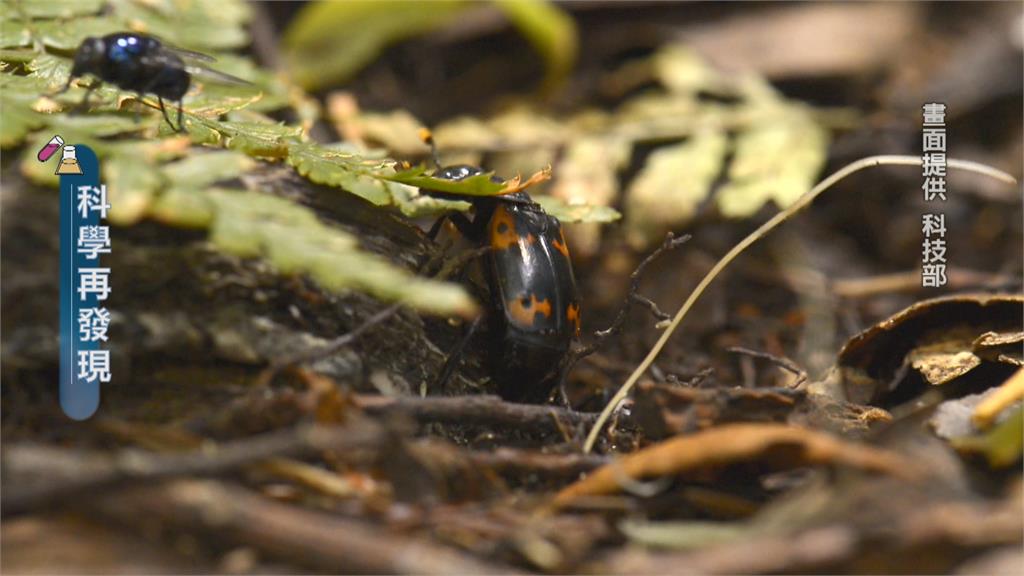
69,162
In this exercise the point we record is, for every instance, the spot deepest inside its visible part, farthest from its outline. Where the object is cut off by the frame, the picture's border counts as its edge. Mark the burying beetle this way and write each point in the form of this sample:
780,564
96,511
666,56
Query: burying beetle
144,65
533,310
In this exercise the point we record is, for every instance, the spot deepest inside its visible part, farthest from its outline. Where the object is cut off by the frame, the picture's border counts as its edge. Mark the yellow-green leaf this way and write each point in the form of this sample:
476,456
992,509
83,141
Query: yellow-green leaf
775,160
676,178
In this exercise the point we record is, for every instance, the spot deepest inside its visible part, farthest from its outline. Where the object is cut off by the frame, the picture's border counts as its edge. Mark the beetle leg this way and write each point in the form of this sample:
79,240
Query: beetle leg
465,226
435,228
456,355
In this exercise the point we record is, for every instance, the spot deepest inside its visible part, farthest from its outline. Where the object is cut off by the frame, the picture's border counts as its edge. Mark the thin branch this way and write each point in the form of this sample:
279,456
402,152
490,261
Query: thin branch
780,361
514,461
479,410
71,473
633,296
326,542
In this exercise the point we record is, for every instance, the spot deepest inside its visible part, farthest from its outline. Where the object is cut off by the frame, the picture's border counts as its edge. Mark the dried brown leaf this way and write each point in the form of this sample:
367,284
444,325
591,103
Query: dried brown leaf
776,445
925,334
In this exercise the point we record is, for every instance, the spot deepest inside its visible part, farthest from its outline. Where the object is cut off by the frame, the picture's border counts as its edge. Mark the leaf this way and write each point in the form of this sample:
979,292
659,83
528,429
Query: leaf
253,138
50,8
413,204
477,185
551,32
204,25
200,170
931,333
681,70
328,42
587,176
92,126
67,35
13,33
18,120
132,184
569,213
398,131
183,207
775,160
1002,447
777,446
292,239
339,169
945,357
671,184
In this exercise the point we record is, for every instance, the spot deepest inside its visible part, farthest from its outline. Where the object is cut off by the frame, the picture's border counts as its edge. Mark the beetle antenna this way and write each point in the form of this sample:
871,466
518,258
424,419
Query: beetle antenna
428,138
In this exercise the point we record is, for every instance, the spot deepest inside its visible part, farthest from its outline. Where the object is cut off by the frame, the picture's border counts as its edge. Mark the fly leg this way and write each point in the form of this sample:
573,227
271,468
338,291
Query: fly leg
181,127
84,104
163,109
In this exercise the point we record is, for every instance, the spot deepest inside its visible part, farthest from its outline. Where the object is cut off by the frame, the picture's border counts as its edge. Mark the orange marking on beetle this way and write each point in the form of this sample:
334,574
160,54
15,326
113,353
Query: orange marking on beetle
560,246
503,229
573,315
524,309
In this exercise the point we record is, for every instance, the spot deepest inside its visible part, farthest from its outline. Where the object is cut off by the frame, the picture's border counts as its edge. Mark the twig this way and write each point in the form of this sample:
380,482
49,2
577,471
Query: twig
77,473
634,297
331,348
515,461
315,539
780,361
800,203
487,410
910,281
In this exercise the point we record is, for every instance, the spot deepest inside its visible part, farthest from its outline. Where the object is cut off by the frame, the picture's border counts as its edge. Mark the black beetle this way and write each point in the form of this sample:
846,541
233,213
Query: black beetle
533,312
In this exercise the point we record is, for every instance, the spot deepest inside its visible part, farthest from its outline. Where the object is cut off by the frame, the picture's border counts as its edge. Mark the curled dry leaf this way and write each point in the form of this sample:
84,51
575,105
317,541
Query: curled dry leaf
777,446
939,337
515,184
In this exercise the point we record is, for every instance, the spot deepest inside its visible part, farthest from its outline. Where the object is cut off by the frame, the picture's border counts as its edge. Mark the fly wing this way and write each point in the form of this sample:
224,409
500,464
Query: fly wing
197,64
189,54
160,58
211,75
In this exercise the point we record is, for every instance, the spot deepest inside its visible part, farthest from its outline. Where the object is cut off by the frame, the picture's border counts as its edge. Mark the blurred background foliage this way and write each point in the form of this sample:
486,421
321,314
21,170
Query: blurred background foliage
698,126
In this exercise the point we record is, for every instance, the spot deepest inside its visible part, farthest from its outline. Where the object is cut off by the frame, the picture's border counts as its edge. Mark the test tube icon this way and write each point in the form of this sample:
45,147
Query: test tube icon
50,149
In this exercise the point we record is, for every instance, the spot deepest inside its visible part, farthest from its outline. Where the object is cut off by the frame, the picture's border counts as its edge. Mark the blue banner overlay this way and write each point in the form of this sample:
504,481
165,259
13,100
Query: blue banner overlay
84,287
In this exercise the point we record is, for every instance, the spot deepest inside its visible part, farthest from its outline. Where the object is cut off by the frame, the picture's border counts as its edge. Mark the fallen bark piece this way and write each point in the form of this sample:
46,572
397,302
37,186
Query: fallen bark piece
777,445
664,411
